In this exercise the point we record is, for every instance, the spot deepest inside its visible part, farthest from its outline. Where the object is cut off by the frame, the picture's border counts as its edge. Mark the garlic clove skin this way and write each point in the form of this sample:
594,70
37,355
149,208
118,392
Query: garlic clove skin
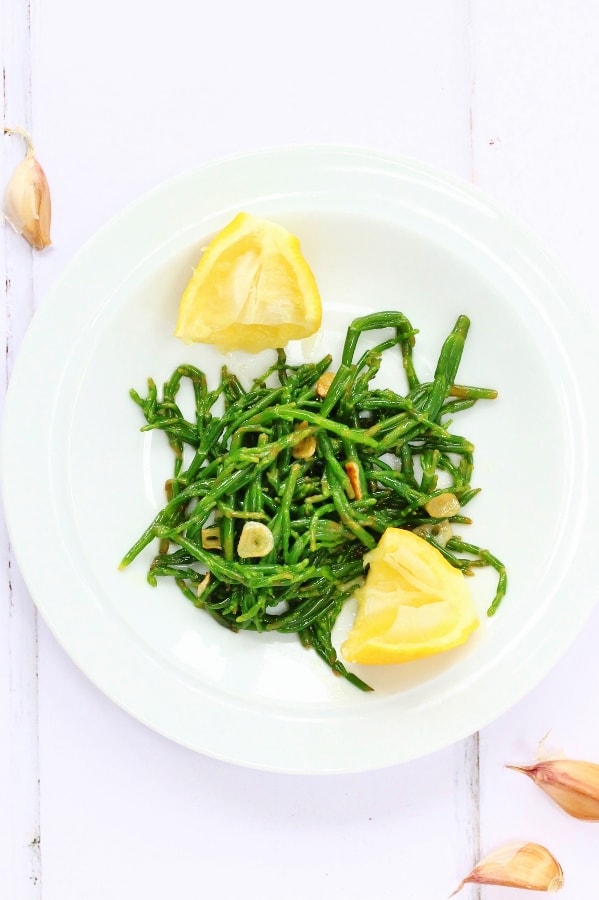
530,866
571,783
27,205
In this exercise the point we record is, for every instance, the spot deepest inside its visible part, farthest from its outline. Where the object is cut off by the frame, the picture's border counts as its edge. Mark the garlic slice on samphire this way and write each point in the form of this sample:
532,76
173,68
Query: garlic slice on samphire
27,206
255,540
526,865
571,783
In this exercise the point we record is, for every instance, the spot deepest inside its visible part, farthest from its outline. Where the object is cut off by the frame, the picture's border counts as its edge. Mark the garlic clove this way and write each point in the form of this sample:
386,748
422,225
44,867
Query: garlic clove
441,531
203,584
571,783
211,538
305,448
443,506
323,384
527,865
255,540
27,206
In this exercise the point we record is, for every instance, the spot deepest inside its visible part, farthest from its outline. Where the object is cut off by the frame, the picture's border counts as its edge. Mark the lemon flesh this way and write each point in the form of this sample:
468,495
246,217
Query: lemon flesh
413,603
251,290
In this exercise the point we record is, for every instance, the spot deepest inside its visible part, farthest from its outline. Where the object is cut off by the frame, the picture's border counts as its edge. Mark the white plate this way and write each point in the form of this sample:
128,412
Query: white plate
80,481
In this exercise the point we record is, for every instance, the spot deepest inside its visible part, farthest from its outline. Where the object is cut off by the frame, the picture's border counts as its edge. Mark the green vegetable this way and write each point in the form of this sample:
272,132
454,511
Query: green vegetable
376,461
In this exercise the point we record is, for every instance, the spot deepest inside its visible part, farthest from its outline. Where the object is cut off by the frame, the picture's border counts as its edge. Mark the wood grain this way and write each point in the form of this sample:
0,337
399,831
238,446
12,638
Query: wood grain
20,824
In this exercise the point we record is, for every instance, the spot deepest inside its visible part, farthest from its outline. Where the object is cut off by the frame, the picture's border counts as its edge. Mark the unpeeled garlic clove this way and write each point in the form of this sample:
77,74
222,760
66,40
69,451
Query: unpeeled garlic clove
27,206
529,866
572,783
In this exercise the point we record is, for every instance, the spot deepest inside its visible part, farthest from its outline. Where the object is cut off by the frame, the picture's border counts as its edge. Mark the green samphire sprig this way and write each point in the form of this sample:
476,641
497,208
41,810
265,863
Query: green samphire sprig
325,469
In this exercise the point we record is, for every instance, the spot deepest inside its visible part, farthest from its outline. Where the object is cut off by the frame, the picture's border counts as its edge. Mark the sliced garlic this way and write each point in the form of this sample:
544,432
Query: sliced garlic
441,531
443,506
203,584
353,473
27,206
307,447
211,538
255,540
323,384
529,866
571,783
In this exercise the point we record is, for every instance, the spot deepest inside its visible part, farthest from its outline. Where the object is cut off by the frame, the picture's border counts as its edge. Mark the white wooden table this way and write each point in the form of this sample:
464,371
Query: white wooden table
119,96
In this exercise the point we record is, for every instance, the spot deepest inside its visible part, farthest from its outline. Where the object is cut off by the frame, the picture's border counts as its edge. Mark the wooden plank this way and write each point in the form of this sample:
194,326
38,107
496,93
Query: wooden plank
534,137
20,854
19,630
134,99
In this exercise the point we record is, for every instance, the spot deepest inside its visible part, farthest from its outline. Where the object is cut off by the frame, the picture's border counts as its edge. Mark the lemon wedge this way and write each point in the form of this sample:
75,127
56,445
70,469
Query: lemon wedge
251,290
413,603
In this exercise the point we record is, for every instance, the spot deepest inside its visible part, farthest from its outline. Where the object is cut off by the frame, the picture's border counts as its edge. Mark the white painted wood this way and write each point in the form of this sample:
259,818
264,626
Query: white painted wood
561,710
153,820
535,128
119,98
20,864
534,136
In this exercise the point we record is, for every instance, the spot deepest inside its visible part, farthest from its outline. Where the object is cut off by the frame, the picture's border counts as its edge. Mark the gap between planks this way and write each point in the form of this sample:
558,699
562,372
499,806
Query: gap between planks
20,759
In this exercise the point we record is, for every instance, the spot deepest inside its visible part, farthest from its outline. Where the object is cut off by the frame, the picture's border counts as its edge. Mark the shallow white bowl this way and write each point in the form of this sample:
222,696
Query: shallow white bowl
80,482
